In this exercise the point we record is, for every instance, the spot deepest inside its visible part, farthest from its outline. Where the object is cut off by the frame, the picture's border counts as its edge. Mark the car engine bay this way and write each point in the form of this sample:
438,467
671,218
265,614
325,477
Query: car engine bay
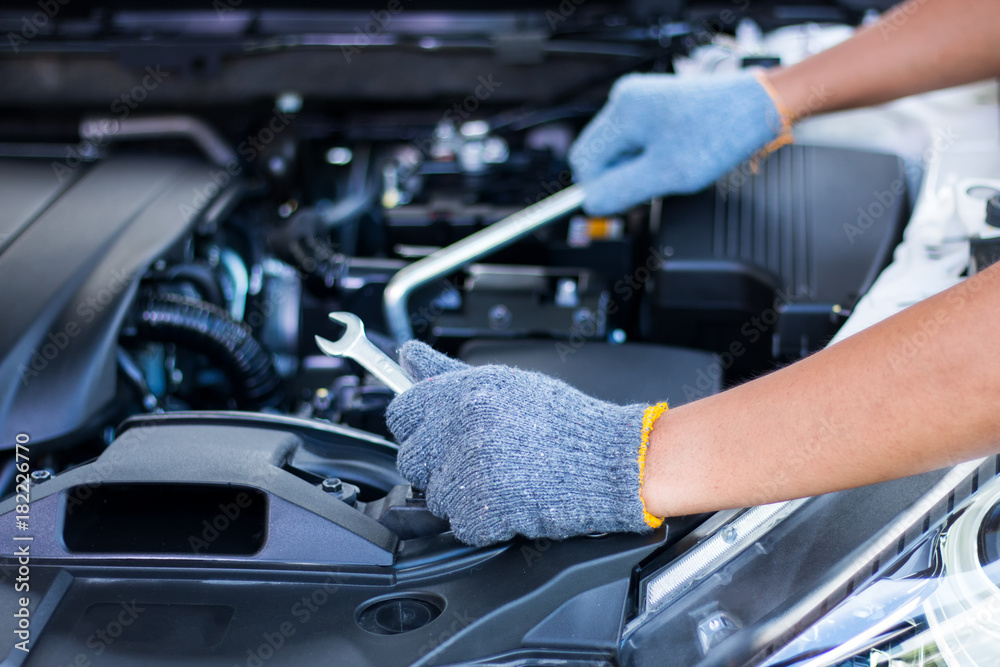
170,249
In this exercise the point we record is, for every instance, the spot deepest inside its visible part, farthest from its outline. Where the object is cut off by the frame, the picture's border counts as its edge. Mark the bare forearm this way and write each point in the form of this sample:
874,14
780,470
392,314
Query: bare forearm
916,392
920,45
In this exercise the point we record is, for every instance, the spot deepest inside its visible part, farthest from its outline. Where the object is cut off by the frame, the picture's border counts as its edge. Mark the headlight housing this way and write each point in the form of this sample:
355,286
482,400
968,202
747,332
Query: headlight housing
937,604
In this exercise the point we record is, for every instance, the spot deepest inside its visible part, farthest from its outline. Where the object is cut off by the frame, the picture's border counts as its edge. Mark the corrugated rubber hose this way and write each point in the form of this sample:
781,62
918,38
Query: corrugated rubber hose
206,328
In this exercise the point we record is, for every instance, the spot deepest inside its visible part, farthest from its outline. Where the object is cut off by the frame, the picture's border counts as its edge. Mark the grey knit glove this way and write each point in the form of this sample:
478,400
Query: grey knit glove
660,134
503,452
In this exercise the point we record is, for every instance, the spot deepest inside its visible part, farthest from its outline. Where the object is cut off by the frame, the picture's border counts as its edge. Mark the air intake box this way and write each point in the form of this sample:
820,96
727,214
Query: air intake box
767,265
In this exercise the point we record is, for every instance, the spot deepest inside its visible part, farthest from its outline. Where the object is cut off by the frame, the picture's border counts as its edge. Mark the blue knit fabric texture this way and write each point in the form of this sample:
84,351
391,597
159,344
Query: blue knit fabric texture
501,452
659,134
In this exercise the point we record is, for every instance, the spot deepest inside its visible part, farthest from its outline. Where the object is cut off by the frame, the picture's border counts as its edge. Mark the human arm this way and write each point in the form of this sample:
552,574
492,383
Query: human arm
660,134
915,392
501,451
918,46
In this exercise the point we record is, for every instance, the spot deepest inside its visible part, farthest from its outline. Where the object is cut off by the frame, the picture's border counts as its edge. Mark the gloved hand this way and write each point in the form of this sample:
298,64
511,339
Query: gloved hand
501,451
660,134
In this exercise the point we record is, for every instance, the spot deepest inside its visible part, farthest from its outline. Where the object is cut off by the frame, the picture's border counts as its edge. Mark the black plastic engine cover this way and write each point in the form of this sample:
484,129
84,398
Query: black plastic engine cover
206,539
769,264
72,250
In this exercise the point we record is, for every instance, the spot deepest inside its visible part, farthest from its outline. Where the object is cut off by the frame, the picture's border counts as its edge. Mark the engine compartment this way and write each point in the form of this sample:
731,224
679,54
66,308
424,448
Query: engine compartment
202,459
177,286
189,301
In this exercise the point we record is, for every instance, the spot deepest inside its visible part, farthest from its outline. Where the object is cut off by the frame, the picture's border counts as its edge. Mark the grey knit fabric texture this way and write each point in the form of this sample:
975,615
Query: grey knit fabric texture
503,452
660,134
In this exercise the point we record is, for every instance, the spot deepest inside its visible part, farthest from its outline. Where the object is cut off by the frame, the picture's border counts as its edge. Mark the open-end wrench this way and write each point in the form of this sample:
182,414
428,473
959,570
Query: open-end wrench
355,345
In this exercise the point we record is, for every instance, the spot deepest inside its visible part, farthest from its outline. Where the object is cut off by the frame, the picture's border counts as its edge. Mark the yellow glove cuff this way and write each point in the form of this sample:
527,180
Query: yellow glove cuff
650,416
787,120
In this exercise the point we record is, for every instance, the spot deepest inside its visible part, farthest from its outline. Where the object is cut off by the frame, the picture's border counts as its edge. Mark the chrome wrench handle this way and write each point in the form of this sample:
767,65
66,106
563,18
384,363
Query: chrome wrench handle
355,345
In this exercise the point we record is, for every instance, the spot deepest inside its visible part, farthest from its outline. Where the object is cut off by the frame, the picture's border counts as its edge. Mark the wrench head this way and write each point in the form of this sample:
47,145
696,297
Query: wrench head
354,331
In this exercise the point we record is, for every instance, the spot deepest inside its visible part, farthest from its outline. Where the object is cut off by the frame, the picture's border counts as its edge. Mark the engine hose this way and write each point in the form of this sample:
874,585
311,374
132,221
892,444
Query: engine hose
208,329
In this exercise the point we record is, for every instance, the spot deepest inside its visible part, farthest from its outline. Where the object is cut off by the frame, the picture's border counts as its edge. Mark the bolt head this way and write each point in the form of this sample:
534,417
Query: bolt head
332,485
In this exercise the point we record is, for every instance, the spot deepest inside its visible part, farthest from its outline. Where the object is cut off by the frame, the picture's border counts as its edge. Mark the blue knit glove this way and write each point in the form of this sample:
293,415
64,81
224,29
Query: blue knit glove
660,134
503,452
